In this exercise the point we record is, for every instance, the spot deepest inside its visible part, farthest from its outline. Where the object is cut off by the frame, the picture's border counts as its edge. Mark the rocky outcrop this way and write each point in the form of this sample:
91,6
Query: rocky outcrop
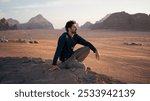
15,70
124,21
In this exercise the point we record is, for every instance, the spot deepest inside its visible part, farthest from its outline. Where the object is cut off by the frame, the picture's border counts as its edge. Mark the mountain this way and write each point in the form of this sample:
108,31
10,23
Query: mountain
124,21
5,25
86,25
103,19
141,21
37,22
12,22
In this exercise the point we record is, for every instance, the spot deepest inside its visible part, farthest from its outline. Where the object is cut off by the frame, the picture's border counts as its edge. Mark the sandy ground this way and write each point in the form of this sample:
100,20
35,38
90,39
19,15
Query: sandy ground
128,63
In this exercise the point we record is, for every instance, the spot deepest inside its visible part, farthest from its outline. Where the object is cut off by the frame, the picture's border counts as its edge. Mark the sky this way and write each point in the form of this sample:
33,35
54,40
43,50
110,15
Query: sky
58,12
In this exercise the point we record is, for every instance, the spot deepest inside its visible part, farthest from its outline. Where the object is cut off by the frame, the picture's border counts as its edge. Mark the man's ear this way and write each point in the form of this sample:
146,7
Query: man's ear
69,29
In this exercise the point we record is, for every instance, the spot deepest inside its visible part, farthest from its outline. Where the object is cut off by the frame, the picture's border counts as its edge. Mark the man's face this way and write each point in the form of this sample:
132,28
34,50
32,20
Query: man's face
73,28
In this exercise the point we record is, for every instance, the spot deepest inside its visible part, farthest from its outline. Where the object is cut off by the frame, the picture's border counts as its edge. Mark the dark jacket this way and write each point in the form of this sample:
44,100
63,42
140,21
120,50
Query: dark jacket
66,45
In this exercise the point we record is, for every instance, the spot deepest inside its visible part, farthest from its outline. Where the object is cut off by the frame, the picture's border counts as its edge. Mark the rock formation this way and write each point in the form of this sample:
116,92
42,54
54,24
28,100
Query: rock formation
124,21
12,22
4,24
37,22
15,70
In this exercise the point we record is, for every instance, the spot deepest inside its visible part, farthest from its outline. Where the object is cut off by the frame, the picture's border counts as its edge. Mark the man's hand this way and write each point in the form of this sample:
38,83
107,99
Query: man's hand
97,55
54,67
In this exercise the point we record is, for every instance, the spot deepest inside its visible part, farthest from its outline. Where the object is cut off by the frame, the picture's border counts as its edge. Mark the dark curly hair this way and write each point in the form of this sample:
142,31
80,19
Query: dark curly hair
69,24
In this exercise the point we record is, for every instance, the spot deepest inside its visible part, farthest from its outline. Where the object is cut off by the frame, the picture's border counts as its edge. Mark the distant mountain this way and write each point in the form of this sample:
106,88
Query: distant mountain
87,25
37,22
12,22
103,19
124,21
117,21
4,25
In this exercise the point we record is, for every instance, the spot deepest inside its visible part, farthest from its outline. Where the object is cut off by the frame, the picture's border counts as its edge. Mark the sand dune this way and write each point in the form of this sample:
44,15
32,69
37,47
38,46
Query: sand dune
127,63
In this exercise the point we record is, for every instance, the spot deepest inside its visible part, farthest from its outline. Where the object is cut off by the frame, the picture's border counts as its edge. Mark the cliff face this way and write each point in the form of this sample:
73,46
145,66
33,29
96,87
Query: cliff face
124,21
35,70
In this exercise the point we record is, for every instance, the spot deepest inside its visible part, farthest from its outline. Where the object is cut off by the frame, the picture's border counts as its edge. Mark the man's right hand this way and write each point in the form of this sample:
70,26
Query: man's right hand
54,67
97,55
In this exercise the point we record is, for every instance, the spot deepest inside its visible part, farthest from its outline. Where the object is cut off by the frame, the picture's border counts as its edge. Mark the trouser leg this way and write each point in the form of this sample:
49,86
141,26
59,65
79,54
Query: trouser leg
67,63
75,61
81,53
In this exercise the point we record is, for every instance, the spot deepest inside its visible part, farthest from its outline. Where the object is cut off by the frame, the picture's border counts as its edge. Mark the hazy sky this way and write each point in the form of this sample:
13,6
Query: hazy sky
60,11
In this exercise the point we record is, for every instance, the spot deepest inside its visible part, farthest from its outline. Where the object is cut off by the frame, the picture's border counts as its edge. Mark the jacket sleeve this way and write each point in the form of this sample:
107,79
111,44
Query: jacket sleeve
60,44
86,43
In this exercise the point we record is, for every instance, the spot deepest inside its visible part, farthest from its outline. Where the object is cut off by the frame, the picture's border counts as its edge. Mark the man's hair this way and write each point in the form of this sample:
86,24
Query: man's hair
69,24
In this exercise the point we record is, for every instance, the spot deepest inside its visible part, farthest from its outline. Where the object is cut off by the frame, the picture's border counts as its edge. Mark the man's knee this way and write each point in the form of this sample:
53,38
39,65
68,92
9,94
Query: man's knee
86,49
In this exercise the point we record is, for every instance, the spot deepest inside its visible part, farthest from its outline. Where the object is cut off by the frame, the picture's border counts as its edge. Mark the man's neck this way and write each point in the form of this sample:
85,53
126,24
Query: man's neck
70,34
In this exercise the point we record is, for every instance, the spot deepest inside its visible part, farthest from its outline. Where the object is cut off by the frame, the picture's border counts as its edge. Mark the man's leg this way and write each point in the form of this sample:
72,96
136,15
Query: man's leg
78,57
81,53
67,63
75,61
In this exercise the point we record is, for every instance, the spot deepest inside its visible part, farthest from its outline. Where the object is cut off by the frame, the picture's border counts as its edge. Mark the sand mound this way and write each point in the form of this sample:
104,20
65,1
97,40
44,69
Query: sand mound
15,70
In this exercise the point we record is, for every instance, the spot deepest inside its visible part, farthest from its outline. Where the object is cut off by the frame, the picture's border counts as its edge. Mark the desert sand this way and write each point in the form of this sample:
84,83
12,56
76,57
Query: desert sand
124,62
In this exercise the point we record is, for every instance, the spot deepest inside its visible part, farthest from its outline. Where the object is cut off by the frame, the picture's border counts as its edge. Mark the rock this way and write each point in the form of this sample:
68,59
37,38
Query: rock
22,40
36,42
133,43
33,42
63,76
27,70
3,39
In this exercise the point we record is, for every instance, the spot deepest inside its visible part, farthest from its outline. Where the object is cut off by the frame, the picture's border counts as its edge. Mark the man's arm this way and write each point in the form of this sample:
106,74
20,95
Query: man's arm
60,45
86,43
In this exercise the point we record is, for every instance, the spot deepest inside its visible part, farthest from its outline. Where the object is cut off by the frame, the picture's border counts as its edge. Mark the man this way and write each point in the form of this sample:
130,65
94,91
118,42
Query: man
64,51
